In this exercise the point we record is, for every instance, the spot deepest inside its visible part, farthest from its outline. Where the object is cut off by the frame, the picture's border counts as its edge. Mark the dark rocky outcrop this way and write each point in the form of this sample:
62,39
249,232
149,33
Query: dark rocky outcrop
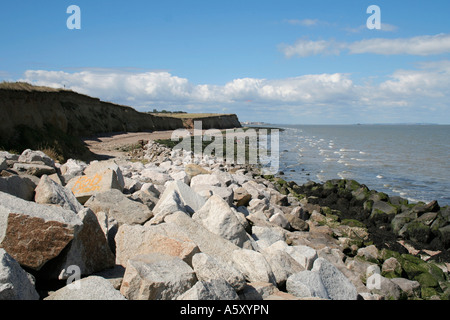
388,219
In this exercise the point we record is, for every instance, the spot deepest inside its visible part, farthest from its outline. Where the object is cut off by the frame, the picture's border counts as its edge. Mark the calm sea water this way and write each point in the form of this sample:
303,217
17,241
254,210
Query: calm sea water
412,161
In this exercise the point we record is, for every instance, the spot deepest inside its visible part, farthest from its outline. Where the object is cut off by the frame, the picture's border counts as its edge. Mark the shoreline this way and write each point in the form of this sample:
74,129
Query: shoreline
202,213
386,161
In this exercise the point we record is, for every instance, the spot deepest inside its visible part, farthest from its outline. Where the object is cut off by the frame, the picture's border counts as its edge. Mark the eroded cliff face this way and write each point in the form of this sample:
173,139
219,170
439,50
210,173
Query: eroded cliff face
74,114
225,121
34,117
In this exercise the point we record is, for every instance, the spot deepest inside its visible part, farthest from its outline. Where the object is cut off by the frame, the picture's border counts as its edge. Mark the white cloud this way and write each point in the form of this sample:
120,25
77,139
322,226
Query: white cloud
420,46
304,22
306,48
315,96
387,27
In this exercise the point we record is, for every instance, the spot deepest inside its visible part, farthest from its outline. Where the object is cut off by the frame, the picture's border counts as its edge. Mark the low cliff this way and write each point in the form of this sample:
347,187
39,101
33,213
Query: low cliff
220,121
39,117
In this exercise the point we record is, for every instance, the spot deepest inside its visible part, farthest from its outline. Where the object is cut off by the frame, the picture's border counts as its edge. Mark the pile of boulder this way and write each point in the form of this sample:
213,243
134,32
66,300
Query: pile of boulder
179,226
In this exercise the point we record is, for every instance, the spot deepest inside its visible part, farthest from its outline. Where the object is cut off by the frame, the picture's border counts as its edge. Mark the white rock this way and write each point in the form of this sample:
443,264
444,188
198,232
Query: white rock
163,238
3,164
306,284
34,169
156,276
253,265
117,206
217,216
369,253
258,291
282,264
337,285
15,283
208,268
84,187
217,289
372,269
255,189
181,175
100,166
205,179
22,186
223,192
9,156
410,287
240,179
156,176
132,185
384,287
280,220
303,254
73,168
30,156
207,241
177,196
150,188
258,205
90,288
50,192
267,235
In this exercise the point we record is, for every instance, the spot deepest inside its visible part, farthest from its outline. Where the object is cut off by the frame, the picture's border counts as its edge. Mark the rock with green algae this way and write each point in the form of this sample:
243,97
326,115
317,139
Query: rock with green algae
427,280
417,231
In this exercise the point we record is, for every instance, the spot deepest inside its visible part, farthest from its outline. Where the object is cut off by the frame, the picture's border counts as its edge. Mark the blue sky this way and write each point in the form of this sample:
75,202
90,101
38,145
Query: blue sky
274,61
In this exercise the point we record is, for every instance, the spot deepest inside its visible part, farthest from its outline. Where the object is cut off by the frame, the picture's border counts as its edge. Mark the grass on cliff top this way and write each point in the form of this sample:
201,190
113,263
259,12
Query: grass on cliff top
24,86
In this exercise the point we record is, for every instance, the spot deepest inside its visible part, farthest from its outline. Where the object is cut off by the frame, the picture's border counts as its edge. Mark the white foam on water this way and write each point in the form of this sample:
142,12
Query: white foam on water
320,177
344,174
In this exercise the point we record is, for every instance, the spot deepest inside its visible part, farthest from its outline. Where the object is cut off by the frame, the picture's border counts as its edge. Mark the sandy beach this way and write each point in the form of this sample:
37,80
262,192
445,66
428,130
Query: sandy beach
109,145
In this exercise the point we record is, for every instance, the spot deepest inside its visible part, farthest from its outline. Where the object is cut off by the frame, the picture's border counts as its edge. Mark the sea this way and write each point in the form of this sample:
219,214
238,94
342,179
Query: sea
411,161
